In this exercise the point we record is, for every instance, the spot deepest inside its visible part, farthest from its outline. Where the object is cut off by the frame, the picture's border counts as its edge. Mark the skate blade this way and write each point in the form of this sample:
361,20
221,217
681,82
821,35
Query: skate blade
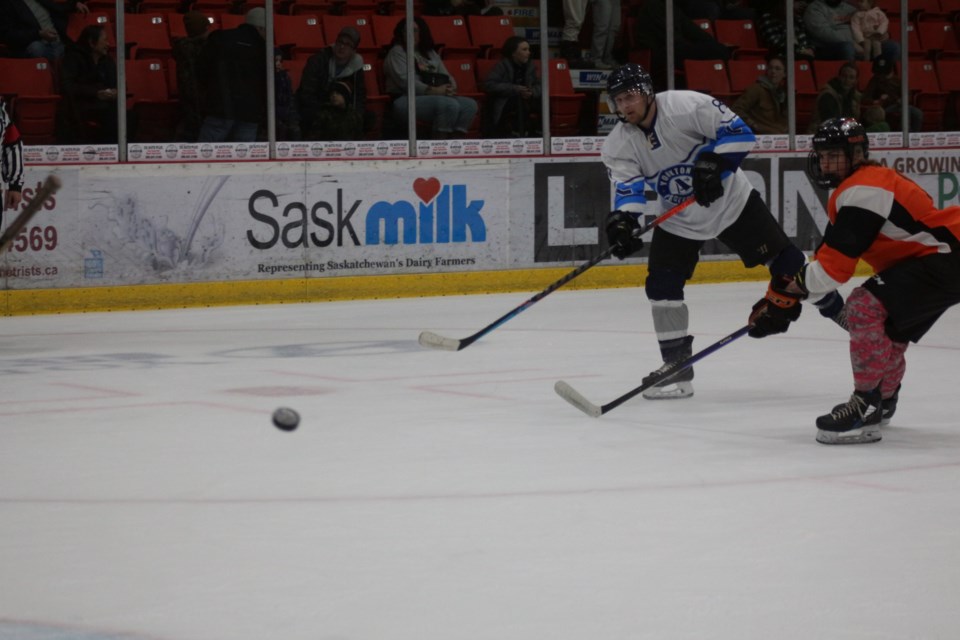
672,391
861,435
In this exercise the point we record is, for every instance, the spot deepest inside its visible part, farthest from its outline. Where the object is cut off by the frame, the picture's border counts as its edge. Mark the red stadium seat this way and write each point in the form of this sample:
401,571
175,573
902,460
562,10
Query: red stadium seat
566,105
709,76
300,33
148,34
451,36
29,87
489,33
155,113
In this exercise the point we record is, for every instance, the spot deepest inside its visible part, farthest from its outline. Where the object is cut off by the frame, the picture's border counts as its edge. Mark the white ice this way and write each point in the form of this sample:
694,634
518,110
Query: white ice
432,495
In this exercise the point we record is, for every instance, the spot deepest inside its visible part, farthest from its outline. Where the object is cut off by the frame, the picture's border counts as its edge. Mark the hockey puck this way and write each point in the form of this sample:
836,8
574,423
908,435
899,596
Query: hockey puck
286,419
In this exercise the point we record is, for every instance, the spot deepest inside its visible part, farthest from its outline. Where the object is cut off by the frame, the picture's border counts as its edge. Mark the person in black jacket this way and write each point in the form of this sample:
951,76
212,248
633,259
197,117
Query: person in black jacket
234,72
339,62
88,84
514,90
38,29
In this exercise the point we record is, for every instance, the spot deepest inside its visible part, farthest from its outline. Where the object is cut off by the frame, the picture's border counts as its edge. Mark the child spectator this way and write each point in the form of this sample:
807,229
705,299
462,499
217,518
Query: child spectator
285,107
869,26
334,119
883,90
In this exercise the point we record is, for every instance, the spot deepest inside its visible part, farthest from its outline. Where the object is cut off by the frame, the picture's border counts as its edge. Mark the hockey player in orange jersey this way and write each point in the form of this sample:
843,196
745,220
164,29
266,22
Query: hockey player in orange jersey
883,218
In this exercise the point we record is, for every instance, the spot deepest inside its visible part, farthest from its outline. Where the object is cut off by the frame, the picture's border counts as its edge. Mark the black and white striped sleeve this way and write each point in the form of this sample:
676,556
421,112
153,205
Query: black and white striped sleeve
11,152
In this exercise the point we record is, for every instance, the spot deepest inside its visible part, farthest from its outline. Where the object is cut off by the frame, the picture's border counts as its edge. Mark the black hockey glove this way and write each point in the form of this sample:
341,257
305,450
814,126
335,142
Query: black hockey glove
621,226
831,306
775,311
707,183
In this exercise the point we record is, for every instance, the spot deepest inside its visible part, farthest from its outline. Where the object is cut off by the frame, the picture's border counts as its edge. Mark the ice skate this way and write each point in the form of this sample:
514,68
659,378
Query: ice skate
890,406
678,386
675,388
856,421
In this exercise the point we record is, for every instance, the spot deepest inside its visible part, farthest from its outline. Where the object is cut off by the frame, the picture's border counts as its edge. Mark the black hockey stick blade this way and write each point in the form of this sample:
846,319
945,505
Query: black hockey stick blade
436,341
578,400
47,189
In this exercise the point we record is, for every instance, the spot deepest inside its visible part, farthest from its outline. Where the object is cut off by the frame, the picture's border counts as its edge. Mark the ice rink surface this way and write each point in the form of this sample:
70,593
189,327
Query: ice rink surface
429,495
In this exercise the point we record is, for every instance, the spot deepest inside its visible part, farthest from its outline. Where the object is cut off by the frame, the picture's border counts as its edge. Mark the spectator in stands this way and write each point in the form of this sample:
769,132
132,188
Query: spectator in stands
339,62
434,88
285,106
884,89
763,106
772,28
234,72
88,84
574,13
874,119
513,86
869,26
839,98
187,53
11,161
606,28
690,41
335,119
37,28
828,24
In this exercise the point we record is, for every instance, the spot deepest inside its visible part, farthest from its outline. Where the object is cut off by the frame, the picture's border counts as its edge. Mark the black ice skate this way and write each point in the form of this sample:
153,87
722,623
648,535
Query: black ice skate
677,386
890,406
856,421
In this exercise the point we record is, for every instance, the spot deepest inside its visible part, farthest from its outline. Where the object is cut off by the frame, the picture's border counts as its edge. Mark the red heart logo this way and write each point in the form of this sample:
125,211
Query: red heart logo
427,189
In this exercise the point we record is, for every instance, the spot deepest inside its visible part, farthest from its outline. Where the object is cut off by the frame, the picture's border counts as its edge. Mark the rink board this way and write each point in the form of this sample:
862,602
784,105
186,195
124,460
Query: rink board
176,234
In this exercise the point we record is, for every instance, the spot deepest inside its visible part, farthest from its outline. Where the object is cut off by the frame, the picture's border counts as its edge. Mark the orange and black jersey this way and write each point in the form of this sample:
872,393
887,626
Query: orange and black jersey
883,218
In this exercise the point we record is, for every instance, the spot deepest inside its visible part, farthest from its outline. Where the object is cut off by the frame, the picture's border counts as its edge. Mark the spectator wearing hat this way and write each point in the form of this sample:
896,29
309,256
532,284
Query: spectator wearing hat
187,52
883,90
233,73
338,62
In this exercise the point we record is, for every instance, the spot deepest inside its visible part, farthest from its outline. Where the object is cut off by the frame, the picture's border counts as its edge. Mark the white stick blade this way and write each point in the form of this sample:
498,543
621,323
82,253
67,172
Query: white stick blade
432,340
575,398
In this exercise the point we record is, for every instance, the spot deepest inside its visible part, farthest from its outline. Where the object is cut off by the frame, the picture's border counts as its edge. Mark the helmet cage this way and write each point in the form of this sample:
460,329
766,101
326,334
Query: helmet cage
628,78
836,133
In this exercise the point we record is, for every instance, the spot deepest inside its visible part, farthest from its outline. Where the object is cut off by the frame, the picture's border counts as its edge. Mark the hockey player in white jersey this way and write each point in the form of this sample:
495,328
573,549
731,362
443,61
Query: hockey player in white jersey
683,144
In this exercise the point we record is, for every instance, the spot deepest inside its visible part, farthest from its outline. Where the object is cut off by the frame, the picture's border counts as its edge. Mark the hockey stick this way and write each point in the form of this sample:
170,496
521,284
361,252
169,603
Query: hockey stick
49,187
436,341
577,399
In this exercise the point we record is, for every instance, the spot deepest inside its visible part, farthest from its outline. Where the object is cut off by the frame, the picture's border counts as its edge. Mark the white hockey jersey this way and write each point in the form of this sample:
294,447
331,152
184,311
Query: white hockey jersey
661,160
